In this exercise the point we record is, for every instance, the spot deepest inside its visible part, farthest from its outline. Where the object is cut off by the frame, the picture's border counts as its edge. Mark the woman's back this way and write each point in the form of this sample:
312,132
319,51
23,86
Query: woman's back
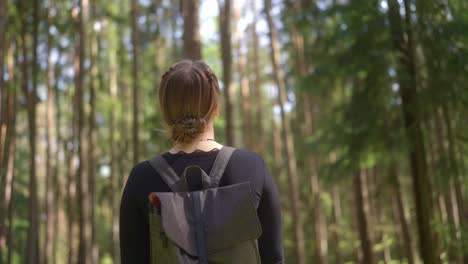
243,166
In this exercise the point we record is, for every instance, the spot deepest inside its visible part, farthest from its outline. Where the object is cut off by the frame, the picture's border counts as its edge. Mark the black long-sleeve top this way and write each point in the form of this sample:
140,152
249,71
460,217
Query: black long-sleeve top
244,165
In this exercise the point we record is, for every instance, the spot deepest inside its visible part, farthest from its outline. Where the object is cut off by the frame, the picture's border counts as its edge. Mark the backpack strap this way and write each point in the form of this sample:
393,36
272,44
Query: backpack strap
171,178
166,172
220,164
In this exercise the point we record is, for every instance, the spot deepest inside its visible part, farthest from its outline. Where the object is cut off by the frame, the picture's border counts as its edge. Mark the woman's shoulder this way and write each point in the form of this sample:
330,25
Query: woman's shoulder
247,154
248,157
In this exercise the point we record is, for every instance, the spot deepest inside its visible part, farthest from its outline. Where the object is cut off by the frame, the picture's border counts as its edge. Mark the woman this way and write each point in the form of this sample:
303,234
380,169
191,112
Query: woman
189,96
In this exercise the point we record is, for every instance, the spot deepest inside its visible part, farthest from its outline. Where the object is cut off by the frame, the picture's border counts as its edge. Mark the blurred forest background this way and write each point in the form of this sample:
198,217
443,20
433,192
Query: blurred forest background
360,109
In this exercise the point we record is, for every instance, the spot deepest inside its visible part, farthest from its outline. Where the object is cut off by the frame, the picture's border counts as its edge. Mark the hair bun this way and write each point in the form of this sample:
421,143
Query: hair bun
188,128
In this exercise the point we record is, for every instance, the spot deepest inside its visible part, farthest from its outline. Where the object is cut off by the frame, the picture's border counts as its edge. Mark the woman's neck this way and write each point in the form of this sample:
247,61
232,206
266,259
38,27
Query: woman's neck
200,142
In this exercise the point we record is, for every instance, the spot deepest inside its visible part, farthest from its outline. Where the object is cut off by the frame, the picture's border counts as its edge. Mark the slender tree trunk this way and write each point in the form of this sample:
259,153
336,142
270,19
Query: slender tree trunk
11,112
337,216
60,234
260,142
408,242
362,213
406,72
247,126
71,198
320,227
51,148
3,30
459,210
296,205
192,43
84,248
92,137
277,147
175,13
33,255
226,57
112,144
136,82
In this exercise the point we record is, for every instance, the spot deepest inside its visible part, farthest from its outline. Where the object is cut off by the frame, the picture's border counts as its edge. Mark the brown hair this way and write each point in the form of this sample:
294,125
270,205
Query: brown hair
188,95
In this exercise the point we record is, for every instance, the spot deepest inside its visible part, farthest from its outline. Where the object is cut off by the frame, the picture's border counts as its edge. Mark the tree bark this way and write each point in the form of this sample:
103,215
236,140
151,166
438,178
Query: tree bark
51,149
406,72
408,243
61,182
226,57
10,157
92,137
33,255
260,142
362,214
135,78
192,43
3,30
296,205
337,216
84,247
112,146
247,126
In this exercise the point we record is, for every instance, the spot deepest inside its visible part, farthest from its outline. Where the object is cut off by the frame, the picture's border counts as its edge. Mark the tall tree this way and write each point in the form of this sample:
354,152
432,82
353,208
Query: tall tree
51,145
260,141
245,95
226,57
11,94
302,67
33,255
84,246
296,204
92,134
3,123
135,77
403,42
192,42
361,195
404,223
113,76
2,91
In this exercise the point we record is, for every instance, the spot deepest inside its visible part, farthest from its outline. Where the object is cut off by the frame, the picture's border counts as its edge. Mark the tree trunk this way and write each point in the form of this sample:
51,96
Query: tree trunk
320,227
192,43
84,247
92,137
32,254
226,56
362,214
296,206
51,149
337,215
3,30
404,222
459,210
406,72
61,187
247,126
112,146
136,83
260,142
11,111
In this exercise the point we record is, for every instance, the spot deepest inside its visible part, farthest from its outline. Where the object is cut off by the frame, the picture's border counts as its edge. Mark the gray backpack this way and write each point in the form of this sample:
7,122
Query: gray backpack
216,225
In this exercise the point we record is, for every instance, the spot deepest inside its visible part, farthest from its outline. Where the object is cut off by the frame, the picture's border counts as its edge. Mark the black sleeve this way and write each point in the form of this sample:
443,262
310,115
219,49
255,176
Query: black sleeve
269,211
134,236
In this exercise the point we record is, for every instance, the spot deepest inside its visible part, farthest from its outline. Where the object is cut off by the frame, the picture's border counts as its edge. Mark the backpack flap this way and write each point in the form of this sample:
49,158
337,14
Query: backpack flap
178,220
230,217
228,214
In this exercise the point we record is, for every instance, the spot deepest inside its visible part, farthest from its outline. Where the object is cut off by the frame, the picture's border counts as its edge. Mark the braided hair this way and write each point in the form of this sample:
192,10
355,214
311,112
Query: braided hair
188,95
